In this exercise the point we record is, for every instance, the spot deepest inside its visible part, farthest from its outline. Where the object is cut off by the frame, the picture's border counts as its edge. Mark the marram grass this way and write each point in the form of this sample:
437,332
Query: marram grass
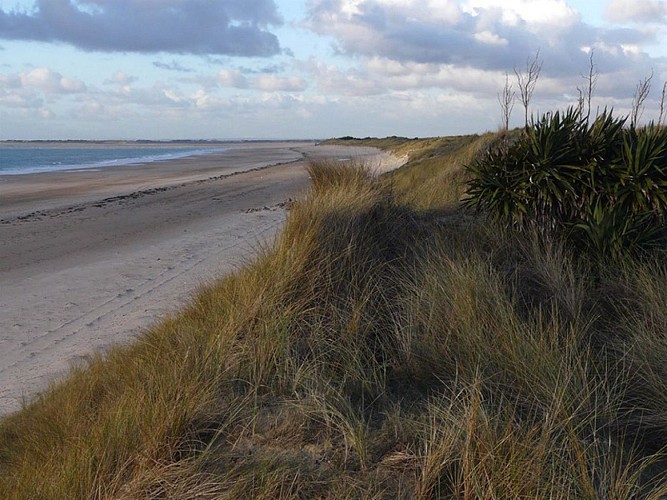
373,351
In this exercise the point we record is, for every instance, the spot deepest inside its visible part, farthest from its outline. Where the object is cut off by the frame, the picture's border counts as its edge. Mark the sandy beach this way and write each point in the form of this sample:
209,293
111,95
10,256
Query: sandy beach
90,258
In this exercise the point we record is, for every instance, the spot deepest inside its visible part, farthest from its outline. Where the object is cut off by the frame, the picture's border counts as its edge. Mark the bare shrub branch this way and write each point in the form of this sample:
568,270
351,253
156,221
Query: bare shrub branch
662,104
591,80
527,82
581,101
641,94
506,98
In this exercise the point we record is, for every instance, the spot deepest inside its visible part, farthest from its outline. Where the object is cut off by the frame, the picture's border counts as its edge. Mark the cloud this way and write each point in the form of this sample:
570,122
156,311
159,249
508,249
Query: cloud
120,78
352,82
172,66
532,12
30,92
37,88
274,68
490,35
42,80
231,78
641,11
230,27
268,82
490,38
274,83
383,76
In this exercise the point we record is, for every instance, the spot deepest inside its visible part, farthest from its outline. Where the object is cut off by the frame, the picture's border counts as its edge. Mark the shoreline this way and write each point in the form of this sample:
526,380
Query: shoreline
129,153
92,259
147,142
37,191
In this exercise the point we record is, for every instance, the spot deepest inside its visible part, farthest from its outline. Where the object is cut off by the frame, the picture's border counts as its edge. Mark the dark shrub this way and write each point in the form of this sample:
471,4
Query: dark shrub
602,185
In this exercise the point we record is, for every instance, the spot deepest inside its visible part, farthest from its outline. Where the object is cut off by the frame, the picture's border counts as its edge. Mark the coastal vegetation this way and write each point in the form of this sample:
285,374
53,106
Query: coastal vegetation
599,184
391,343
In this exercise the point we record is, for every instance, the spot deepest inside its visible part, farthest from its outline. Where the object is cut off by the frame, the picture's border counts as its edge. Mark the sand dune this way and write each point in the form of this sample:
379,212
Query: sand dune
91,258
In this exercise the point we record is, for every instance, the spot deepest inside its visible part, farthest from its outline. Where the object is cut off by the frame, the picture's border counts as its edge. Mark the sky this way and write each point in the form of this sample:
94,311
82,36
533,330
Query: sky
311,69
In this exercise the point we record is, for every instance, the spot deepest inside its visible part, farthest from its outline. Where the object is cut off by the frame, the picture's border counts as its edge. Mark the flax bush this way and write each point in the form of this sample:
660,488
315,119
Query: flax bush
599,183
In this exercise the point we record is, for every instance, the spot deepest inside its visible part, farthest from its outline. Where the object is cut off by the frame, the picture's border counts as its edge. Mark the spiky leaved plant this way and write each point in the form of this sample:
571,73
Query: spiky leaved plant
602,185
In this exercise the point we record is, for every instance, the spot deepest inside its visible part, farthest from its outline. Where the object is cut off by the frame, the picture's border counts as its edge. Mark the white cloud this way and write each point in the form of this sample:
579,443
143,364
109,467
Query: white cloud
629,49
120,78
270,82
274,83
385,76
30,90
204,101
640,11
437,11
17,100
50,81
540,12
91,109
489,35
46,113
231,78
490,38
332,80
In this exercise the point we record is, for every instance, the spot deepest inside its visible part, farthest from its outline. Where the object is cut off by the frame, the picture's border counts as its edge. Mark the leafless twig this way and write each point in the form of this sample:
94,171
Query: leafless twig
527,82
591,80
641,94
662,103
581,101
506,99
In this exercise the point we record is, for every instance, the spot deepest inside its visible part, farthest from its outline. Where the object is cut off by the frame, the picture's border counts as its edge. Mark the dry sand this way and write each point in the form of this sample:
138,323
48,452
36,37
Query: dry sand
91,258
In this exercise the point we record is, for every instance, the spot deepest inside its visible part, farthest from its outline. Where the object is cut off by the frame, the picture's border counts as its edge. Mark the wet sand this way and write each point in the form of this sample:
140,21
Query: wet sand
92,258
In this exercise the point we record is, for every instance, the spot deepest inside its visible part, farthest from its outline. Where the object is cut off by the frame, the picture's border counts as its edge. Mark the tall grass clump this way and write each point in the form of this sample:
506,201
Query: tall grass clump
601,184
372,351
435,176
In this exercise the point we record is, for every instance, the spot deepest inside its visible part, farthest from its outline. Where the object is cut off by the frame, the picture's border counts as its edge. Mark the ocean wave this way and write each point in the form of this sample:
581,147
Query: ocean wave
31,160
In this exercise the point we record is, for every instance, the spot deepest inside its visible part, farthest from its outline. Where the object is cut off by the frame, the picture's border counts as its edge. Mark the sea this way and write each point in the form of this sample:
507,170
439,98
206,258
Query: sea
30,158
